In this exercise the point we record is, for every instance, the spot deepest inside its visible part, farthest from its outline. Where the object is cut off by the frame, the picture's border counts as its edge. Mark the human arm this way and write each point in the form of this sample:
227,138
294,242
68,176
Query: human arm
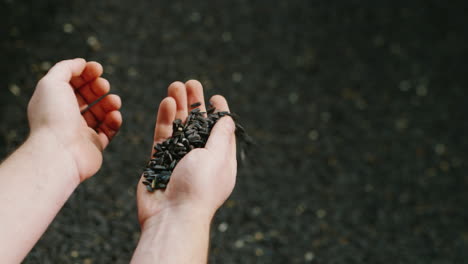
63,149
176,222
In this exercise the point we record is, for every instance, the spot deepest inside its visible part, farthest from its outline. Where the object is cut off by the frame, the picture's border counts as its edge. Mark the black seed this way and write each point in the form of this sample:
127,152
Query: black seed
148,187
173,164
159,167
197,104
210,110
191,138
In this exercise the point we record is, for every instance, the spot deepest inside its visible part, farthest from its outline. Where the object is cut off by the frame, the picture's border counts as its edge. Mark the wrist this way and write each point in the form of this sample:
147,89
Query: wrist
45,142
189,215
174,235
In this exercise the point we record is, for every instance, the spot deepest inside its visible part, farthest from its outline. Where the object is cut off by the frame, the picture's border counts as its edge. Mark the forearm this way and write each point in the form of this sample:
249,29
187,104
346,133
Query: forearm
174,236
35,182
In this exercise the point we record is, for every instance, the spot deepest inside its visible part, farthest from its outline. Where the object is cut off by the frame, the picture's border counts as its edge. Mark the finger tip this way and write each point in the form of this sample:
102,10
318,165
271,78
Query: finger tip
115,101
219,102
101,86
167,110
93,70
79,60
193,83
96,65
175,87
168,102
114,120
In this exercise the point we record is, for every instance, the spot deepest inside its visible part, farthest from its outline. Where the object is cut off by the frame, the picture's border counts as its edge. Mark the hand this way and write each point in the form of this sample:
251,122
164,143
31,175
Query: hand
55,110
205,177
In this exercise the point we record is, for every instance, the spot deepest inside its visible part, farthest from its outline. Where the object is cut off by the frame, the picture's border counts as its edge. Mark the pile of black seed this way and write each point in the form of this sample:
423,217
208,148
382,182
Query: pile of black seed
185,137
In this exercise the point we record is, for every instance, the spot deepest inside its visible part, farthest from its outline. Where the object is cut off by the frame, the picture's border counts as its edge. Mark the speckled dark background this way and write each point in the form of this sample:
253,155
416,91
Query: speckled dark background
358,108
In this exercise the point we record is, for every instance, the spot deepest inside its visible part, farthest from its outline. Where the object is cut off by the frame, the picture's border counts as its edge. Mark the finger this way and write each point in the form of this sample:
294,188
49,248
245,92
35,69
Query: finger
220,103
195,94
88,116
106,105
166,115
94,90
177,91
221,141
92,71
66,70
109,127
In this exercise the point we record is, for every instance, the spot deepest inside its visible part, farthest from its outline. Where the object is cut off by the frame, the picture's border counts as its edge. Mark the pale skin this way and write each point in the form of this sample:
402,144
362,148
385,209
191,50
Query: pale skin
175,223
65,148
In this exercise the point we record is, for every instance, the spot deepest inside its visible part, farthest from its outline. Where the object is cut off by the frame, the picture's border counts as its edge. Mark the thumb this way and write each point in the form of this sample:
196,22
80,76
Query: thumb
65,70
222,140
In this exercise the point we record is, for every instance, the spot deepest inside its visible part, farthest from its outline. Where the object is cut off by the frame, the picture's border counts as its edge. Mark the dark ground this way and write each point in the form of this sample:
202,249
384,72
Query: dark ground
358,110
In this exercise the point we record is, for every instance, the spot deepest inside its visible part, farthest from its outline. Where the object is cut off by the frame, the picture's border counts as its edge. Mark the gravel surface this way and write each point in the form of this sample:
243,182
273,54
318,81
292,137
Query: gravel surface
357,109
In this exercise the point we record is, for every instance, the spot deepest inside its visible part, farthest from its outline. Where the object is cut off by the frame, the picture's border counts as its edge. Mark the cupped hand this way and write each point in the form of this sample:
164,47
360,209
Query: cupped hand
56,108
205,177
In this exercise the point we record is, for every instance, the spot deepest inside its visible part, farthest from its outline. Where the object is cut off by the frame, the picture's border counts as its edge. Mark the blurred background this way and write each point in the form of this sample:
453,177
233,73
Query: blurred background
358,109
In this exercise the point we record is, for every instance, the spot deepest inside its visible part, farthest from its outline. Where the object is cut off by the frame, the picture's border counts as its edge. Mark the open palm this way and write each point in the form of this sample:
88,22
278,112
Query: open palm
205,177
